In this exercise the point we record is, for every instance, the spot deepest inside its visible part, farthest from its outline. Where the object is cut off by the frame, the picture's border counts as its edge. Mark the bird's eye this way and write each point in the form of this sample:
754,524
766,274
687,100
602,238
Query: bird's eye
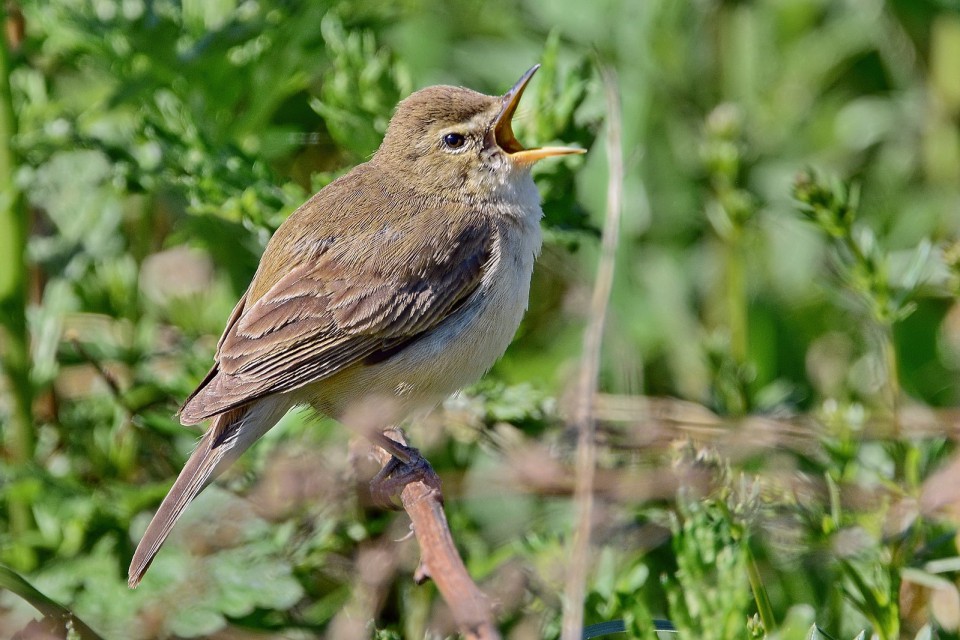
454,140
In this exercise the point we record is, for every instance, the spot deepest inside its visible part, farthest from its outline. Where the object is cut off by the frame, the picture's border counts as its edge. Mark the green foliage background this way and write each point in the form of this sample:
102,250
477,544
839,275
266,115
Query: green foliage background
807,328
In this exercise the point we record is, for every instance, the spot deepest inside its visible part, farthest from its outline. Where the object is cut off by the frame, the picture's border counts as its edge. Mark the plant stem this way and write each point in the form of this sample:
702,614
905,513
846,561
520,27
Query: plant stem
50,609
891,366
583,418
736,297
14,339
764,608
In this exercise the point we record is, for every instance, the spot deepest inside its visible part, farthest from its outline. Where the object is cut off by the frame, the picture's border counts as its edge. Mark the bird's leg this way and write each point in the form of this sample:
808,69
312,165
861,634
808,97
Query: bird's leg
406,465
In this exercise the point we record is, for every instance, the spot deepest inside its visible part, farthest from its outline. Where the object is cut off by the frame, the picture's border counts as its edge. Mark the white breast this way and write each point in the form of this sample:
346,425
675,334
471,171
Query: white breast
465,345
462,349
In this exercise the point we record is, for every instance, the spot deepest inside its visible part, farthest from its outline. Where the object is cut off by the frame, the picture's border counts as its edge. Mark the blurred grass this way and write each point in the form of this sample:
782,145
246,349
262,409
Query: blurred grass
781,365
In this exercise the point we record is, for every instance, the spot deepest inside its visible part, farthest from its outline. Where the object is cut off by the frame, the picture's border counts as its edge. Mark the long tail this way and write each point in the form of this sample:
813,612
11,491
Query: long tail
229,435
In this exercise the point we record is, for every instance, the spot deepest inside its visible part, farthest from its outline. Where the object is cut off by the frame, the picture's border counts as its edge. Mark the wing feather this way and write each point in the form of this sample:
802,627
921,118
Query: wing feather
334,311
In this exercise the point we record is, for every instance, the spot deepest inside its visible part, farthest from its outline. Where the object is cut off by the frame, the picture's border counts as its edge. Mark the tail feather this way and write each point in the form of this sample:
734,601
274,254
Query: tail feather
228,437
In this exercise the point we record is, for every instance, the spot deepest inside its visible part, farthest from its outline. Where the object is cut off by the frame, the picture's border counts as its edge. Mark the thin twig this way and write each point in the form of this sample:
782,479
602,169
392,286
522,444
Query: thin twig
439,559
53,612
583,419
375,569
111,381
19,438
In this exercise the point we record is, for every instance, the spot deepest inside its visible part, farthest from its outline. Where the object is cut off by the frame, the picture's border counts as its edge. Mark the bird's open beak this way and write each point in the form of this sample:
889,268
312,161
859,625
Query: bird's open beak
503,129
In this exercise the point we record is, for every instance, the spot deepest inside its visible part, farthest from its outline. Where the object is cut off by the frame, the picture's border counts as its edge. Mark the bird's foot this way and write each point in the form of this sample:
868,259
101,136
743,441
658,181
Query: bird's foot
406,465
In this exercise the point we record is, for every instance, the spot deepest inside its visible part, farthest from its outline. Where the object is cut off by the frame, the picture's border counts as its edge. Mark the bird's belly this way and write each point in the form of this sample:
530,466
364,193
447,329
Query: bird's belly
462,349
454,354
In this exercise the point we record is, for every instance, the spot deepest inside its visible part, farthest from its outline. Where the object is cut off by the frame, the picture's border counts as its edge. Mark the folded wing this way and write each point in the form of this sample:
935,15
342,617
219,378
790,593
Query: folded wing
335,310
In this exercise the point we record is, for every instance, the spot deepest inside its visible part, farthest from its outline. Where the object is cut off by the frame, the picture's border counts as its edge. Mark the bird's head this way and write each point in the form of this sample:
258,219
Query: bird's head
458,143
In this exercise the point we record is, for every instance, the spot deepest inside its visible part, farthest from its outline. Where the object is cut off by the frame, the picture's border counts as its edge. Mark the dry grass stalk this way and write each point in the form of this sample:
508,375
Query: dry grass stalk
586,389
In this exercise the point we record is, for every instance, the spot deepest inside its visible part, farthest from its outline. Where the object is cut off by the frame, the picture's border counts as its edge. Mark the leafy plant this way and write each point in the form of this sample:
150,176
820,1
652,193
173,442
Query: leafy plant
149,149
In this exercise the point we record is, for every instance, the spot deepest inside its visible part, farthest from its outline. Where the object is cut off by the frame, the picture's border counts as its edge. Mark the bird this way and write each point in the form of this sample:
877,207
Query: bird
392,287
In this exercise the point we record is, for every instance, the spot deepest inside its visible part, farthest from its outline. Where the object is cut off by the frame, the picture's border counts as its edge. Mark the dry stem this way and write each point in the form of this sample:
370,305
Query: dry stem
583,419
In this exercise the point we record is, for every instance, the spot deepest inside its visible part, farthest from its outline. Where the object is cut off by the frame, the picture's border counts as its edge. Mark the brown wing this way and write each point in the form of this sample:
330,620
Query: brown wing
343,306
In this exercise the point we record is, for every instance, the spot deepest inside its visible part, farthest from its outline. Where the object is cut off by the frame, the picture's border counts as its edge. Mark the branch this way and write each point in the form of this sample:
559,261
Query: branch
583,419
56,617
439,559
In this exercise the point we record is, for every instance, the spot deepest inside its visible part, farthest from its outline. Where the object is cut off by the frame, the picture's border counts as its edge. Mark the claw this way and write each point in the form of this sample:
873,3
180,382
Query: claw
405,466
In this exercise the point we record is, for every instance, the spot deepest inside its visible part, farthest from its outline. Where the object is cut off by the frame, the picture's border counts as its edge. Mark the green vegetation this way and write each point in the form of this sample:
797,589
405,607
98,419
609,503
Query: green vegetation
781,366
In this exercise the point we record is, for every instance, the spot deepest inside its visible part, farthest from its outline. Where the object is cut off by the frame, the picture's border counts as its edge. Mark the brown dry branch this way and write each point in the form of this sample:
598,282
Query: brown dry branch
375,569
652,422
439,559
586,388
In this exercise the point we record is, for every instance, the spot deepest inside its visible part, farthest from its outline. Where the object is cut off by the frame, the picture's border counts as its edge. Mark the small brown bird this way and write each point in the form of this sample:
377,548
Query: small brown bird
393,287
